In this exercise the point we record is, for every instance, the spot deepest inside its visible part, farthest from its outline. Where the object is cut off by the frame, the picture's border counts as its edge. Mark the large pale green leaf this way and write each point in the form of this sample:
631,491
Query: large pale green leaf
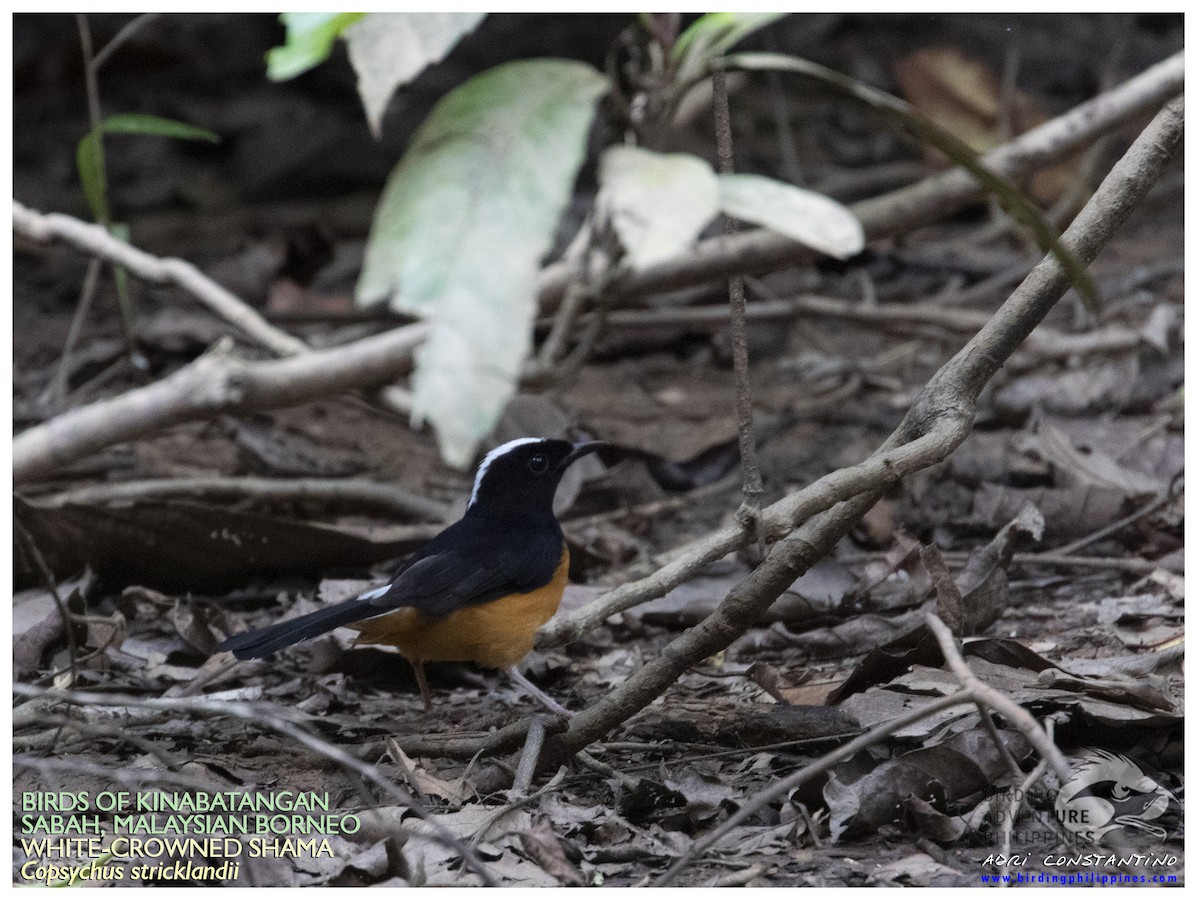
310,37
388,50
462,226
659,202
805,216
712,35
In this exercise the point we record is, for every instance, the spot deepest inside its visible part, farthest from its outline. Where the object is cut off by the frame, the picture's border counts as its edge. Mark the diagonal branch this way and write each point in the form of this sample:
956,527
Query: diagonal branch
938,421
949,395
96,240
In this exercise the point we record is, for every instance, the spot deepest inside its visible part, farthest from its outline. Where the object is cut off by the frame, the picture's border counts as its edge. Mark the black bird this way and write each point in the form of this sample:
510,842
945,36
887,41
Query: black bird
479,591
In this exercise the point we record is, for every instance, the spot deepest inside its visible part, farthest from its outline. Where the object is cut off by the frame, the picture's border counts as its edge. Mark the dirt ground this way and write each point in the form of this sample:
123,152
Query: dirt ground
1079,441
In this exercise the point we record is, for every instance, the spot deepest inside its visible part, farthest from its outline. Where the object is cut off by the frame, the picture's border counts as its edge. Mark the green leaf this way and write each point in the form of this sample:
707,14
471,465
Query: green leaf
140,123
388,50
121,280
89,160
805,216
462,226
902,114
89,155
711,36
310,38
659,202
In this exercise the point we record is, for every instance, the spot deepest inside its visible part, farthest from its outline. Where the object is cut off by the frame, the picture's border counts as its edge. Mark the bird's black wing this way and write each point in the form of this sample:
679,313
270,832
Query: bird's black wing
463,565
471,569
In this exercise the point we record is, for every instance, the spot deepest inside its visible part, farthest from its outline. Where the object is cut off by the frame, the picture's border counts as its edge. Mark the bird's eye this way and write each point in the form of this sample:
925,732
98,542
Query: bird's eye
538,464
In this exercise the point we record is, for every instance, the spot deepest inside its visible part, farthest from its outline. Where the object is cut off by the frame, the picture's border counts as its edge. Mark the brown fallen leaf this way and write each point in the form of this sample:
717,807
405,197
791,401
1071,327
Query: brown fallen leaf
37,623
456,790
545,848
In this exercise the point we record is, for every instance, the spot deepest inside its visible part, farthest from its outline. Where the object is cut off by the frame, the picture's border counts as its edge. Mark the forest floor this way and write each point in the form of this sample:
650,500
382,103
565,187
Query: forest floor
1079,440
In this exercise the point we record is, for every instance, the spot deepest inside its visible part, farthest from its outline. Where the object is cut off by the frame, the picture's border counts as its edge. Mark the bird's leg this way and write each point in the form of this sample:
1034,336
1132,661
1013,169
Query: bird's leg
418,668
538,694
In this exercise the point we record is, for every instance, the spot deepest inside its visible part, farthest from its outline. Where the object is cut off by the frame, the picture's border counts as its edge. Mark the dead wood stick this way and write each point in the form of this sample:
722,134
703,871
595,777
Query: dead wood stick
97,240
1045,343
752,486
358,493
945,402
759,250
217,382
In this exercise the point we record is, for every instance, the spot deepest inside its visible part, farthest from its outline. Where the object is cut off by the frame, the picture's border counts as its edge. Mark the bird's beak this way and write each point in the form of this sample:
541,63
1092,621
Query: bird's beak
580,450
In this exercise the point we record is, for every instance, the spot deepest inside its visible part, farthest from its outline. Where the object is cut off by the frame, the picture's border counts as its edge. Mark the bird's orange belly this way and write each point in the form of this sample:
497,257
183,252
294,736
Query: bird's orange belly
498,633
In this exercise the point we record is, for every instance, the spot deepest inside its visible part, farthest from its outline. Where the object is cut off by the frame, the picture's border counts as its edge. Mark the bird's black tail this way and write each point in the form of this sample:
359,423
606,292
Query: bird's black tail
264,641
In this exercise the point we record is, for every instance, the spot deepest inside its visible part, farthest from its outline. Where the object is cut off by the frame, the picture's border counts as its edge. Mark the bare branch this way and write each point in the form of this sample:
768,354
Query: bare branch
215,383
358,493
752,487
96,240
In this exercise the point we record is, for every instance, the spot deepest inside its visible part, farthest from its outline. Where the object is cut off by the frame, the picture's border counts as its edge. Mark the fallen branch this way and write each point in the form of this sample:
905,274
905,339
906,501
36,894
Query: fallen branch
217,382
356,493
1045,343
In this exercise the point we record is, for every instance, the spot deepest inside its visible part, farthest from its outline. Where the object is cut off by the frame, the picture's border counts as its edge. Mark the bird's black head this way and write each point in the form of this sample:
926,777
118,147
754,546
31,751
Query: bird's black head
523,475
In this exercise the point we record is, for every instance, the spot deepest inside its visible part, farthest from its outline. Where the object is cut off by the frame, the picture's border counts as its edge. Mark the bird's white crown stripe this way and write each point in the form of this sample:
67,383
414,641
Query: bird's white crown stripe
490,458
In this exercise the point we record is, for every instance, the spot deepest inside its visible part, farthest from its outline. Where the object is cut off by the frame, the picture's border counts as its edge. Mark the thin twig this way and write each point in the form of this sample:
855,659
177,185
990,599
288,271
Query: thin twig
530,754
490,822
997,700
92,87
752,487
128,30
1112,528
64,613
759,801
91,281
95,239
